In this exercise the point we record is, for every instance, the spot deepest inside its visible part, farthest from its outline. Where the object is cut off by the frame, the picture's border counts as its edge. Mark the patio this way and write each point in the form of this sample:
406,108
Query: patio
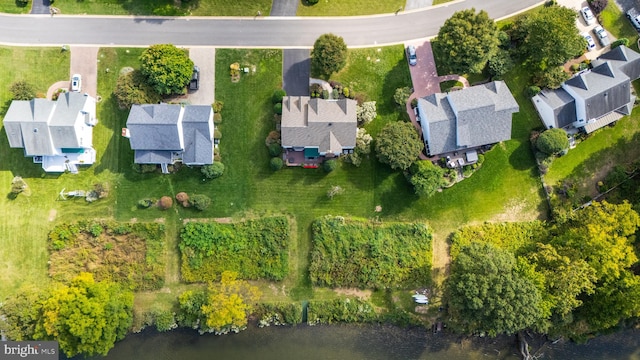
298,158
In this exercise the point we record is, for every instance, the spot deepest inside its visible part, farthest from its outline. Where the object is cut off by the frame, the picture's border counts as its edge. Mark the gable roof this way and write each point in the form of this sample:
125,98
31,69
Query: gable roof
623,58
40,126
562,104
155,127
471,117
197,124
329,125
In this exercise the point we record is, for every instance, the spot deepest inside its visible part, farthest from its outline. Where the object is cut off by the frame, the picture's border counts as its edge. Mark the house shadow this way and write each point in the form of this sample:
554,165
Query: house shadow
114,119
14,160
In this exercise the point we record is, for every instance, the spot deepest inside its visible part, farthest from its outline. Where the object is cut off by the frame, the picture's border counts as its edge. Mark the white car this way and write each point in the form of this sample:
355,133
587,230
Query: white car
590,43
76,82
411,54
601,34
588,15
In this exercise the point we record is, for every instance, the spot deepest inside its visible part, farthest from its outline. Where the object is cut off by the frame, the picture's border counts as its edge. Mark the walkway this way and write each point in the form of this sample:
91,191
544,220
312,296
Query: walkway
64,84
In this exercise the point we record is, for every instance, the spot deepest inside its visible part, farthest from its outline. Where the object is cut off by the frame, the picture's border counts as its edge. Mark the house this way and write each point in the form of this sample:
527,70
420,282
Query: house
467,119
57,134
314,129
593,98
164,134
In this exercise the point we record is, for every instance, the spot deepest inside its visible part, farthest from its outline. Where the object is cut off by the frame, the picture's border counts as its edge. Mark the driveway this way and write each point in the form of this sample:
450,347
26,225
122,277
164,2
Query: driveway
205,59
417,4
40,7
296,68
284,7
582,26
84,62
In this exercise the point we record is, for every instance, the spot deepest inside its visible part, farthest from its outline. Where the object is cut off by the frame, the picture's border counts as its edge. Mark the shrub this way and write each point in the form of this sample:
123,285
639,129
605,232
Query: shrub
278,95
620,41
480,159
18,185
575,67
275,149
366,112
217,118
402,95
598,6
312,2
217,106
213,171
552,141
165,202
315,90
182,198
277,108
276,163
21,90
345,92
334,190
279,314
340,310
533,91
200,201
272,138
329,165
164,320
325,94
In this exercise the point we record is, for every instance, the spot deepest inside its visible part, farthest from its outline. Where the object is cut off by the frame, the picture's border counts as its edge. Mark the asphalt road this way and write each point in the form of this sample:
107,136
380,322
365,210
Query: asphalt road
279,32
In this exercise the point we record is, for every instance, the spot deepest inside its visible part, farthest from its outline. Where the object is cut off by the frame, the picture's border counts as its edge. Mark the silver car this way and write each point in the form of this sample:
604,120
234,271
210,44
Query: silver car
76,82
411,54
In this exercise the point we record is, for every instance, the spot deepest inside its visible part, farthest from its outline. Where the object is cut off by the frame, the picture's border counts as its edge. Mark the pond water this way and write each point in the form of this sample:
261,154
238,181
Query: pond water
357,342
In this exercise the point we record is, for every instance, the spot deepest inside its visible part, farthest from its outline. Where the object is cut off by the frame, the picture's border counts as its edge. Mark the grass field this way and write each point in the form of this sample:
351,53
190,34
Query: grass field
615,22
165,7
349,7
12,7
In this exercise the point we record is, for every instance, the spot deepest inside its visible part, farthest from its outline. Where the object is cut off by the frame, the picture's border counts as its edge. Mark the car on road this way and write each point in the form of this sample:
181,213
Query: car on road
587,15
601,34
195,79
76,82
590,43
634,17
411,54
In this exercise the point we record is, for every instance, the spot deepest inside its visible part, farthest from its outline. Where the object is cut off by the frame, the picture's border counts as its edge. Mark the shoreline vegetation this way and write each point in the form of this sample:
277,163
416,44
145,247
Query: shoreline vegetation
283,251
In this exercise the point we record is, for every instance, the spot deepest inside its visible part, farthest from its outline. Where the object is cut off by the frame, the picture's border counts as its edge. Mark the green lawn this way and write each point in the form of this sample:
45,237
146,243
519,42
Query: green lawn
13,7
349,7
165,7
616,22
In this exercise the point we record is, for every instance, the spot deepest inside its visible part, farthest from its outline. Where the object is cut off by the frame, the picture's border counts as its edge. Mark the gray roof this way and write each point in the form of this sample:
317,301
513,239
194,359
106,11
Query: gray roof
604,89
329,125
152,157
471,117
562,104
155,127
623,58
40,125
198,134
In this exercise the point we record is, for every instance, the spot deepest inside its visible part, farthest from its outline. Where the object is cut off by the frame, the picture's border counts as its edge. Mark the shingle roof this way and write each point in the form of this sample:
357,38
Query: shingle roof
330,125
625,59
152,157
64,118
198,134
604,89
155,127
562,104
471,117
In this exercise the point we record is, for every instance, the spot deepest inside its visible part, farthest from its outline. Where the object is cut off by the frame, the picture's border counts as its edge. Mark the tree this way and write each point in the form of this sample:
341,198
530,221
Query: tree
132,88
486,293
552,141
398,145
499,64
278,95
549,37
401,96
276,163
167,69
466,42
19,314
363,147
551,78
329,165
598,5
366,112
334,190
426,178
18,185
200,201
329,55
22,90
86,317
213,171
229,302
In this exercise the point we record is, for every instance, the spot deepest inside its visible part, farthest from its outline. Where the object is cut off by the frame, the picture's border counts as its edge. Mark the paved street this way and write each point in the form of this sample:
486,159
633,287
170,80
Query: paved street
281,32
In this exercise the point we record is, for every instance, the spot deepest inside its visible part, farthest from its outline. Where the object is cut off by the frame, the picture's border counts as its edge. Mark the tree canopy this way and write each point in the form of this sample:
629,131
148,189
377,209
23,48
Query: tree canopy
466,42
329,55
86,317
426,178
167,69
398,145
132,88
487,293
552,141
549,37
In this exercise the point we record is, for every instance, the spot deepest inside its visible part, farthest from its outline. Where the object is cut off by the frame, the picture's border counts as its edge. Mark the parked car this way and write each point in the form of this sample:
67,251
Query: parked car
601,34
587,15
411,54
195,79
76,82
634,17
590,43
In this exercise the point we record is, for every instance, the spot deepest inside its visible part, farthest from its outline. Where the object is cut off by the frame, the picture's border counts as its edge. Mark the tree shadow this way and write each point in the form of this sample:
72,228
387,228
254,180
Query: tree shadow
522,158
399,76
